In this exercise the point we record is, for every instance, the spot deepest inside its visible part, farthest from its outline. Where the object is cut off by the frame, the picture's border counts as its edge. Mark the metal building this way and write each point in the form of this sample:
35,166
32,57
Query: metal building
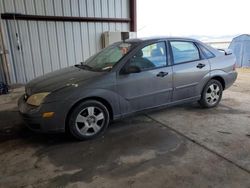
40,36
241,48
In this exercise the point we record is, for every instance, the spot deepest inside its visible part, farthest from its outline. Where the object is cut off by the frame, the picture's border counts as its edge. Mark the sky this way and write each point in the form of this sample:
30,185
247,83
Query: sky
202,19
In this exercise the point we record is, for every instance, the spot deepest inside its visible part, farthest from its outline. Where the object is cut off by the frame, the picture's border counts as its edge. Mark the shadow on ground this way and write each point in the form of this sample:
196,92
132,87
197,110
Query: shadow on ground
129,146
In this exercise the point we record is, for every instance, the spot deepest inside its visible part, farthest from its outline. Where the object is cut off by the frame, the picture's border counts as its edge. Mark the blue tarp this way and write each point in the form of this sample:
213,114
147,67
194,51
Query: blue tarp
241,48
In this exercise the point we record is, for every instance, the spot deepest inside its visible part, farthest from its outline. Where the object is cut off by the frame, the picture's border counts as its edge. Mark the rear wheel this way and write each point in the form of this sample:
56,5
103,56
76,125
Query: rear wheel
88,120
211,94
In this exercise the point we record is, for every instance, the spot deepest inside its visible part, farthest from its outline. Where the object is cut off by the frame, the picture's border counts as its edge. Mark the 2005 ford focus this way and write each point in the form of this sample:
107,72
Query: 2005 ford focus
124,78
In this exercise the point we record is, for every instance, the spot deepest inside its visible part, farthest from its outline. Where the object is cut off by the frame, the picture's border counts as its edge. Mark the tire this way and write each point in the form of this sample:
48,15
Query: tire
88,120
211,94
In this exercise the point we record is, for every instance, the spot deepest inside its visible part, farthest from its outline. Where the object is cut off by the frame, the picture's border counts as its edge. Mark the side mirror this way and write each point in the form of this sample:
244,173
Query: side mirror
131,69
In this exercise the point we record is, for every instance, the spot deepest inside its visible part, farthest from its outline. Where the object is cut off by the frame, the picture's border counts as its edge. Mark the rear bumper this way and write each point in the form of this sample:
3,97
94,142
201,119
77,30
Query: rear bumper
33,119
230,79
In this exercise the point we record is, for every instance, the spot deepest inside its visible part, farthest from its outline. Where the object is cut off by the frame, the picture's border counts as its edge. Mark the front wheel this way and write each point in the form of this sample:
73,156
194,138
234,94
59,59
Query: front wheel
211,94
88,120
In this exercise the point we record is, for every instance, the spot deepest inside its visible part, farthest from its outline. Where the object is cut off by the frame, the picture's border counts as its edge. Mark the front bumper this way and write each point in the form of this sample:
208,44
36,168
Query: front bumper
32,116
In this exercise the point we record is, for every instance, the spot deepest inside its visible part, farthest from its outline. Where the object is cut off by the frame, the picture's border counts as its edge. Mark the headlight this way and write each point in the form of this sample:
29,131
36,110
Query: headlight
37,99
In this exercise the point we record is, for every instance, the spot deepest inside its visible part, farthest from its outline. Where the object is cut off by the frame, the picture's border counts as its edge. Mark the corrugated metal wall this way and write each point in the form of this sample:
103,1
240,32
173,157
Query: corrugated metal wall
39,47
2,79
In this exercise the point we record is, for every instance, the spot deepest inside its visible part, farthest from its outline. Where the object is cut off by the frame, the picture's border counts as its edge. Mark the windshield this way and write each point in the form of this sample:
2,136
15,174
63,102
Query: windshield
106,59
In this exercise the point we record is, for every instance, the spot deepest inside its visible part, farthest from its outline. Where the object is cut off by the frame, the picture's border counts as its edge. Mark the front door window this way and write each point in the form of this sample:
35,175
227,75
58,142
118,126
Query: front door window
150,57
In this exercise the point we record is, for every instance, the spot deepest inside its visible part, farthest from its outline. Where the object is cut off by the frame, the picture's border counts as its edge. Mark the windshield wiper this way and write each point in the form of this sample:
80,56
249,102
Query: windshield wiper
84,66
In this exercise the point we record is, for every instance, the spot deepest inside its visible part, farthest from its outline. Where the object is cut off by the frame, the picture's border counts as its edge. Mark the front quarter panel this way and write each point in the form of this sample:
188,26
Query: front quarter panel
108,95
102,87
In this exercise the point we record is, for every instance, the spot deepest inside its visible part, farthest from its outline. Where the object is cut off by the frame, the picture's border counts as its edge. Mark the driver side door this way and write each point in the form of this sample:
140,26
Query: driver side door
152,86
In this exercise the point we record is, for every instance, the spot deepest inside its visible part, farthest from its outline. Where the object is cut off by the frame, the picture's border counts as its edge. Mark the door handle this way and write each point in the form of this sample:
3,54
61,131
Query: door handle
200,65
162,74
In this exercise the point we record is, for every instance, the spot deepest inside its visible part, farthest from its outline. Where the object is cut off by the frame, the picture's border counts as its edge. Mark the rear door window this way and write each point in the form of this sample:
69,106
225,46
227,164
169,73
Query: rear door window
184,51
206,52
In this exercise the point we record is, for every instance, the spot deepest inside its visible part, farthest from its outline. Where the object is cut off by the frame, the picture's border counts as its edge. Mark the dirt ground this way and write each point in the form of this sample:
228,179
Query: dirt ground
183,146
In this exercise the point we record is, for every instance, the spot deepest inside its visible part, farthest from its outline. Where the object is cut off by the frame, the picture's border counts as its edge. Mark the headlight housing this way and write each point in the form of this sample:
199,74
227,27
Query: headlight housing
37,99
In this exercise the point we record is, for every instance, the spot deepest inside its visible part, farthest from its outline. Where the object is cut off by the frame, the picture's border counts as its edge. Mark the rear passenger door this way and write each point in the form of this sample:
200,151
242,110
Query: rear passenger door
190,70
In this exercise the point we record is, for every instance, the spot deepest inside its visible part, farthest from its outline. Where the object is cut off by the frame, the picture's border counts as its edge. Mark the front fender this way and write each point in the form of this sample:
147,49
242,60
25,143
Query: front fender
108,95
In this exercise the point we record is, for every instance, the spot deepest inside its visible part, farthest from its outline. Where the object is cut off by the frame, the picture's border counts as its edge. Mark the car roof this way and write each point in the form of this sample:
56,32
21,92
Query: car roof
154,39
145,39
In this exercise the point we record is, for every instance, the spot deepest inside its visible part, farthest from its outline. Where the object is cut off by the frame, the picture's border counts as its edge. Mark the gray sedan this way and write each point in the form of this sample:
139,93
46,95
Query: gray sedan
125,78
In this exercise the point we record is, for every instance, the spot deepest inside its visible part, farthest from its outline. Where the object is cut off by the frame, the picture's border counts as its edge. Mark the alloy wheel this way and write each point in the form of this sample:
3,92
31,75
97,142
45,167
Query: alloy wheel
213,94
90,121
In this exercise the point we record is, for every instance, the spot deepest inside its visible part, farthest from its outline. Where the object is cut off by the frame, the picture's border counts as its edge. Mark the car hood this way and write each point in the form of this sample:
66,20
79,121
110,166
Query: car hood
60,79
